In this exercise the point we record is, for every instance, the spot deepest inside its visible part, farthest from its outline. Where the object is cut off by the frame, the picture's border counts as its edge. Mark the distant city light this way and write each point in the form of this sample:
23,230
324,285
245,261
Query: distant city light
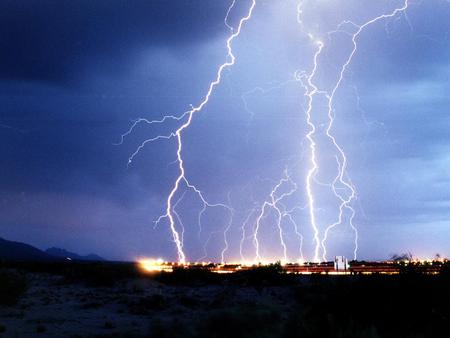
154,265
339,266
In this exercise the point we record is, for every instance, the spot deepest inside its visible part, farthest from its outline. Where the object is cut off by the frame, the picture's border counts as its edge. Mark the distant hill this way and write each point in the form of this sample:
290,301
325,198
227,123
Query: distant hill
16,251
57,252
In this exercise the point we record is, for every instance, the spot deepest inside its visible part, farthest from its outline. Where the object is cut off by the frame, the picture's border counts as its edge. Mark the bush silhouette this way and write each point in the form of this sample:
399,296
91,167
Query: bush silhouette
12,286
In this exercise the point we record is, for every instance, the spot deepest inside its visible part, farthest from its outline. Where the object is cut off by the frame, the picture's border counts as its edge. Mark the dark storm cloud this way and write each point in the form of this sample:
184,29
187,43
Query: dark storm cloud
68,131
74,73
50,40
415,47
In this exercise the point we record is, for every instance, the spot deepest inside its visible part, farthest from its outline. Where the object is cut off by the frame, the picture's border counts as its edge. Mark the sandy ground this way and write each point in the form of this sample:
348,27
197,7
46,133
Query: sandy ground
53,308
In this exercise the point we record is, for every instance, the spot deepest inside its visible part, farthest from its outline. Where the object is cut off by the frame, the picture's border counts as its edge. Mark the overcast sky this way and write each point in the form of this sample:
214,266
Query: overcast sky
74,74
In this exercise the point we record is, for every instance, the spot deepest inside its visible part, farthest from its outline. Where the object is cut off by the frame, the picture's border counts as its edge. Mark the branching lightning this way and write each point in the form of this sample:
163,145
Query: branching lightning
310,91
341,186
345,202
243,232
188,117
341,177
274,204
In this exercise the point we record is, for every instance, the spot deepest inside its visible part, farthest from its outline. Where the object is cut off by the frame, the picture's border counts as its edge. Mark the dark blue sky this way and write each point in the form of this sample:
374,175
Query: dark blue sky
74,74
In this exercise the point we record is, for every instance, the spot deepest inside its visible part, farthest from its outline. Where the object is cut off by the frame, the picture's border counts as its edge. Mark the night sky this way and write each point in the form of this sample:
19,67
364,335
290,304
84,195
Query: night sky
75,74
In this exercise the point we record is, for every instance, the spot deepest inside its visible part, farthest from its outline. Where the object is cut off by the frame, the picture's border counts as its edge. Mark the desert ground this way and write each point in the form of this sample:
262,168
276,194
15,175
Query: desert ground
117,300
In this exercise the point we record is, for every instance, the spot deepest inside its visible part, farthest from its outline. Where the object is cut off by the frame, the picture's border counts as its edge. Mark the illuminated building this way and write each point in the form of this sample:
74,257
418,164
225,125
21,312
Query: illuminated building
340,263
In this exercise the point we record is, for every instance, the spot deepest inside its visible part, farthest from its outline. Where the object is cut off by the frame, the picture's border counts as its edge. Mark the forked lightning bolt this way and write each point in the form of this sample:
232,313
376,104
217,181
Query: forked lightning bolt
274,203
341,177
187,117
341,186
345,202
310,91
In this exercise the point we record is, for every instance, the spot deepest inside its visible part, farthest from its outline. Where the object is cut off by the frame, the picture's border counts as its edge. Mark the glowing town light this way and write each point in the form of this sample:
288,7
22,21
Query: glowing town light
154,265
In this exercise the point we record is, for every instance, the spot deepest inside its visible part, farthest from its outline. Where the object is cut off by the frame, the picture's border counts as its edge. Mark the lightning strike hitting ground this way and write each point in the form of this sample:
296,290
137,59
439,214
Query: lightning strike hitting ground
345,202
188,116
288,215
341,177
310,91
243,232
341,186
225,232
274,204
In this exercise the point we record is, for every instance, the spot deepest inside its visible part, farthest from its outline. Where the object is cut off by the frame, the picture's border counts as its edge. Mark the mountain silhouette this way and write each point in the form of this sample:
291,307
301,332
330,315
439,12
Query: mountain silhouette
62,253
17,251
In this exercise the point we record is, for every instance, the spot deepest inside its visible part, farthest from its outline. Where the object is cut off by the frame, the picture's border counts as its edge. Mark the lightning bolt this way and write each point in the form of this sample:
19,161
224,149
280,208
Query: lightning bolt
225,232
310,91
341,178
274,204
187,118
178,216
225,21
289,215
251,212
345,202
341,186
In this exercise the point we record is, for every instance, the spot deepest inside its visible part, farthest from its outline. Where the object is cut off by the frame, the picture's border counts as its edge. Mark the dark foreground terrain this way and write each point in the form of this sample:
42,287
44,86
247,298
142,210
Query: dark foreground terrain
115,300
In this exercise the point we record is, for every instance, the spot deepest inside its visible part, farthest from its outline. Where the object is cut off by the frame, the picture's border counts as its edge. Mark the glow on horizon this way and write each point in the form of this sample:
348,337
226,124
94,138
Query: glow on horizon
306,79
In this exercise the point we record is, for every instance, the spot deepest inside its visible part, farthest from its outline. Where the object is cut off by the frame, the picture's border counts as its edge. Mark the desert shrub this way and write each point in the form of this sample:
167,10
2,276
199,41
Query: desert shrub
373,306
190,277
91,305
12,287
171,329
188,301
91,273
41,328
99,274
236,322
223,298
145,304
445,270
267,275
241,322
109,325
